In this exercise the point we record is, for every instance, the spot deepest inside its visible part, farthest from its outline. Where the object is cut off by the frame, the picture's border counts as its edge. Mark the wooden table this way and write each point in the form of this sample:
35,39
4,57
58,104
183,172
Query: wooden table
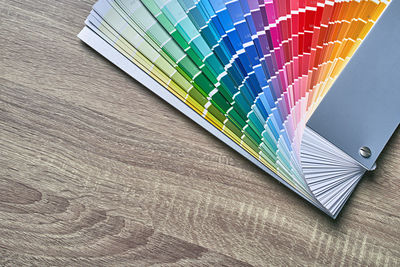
97,170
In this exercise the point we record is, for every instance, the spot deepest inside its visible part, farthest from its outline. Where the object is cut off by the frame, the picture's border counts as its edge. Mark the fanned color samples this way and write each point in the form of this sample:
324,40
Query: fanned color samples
255,70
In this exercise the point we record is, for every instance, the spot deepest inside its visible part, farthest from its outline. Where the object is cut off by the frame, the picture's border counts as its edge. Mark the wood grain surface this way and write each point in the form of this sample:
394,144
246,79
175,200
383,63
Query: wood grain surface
96,170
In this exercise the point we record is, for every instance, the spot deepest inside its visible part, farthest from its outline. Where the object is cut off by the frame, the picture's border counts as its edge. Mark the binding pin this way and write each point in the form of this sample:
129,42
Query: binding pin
365,152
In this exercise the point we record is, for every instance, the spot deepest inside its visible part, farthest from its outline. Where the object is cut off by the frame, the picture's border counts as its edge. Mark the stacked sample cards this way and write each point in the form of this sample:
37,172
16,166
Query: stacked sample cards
254,73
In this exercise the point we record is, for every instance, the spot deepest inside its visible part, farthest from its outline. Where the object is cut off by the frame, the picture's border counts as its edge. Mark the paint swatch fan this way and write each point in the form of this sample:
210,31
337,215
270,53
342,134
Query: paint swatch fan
263,76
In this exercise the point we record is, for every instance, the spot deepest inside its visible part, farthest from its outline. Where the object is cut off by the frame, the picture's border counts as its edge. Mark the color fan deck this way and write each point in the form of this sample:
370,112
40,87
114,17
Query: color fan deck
255,70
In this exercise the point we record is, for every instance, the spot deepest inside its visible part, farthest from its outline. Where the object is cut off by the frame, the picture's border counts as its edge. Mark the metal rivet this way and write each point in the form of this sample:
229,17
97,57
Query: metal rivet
365,152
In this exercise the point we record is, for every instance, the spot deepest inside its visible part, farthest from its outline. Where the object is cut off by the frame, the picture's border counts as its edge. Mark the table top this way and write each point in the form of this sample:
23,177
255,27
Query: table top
97,170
